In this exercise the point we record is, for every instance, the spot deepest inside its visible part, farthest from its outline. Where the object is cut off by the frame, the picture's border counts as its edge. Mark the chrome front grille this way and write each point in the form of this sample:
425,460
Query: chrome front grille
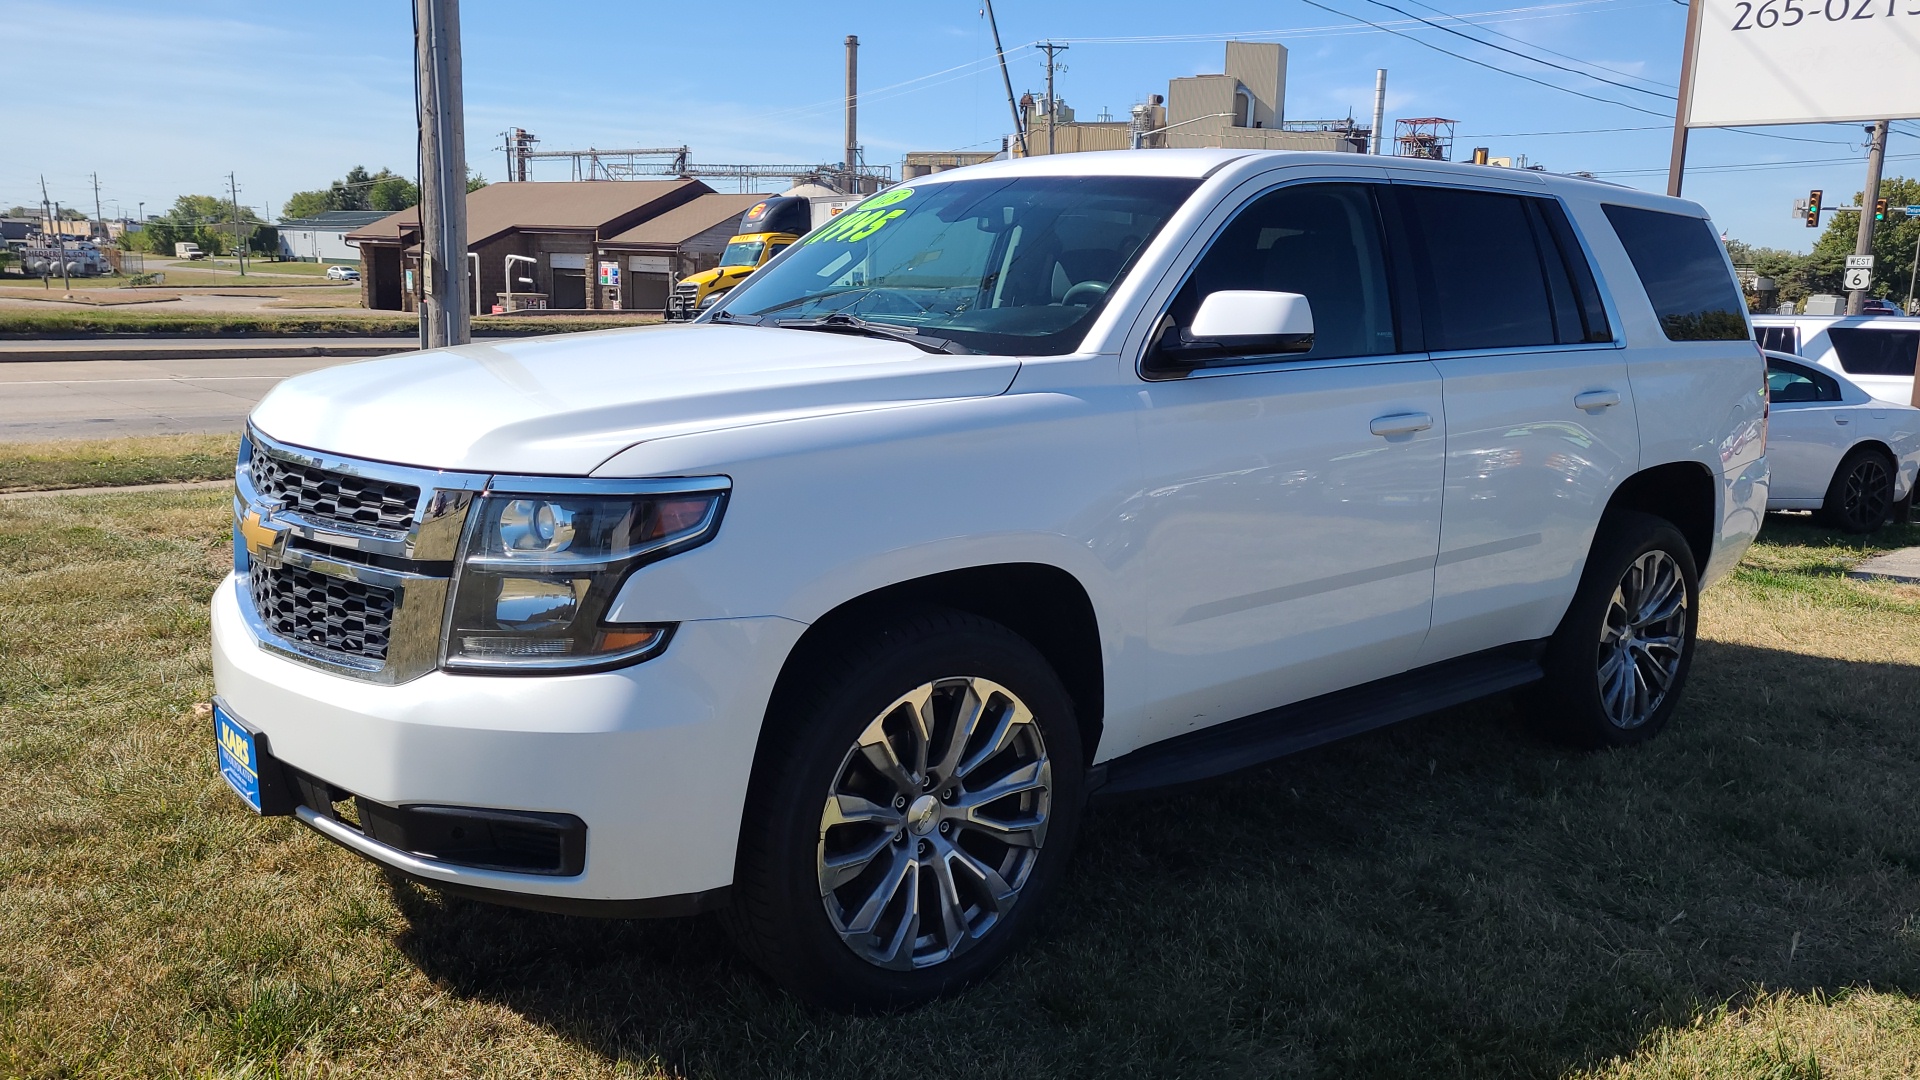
682,304
345,563
322,495
322,612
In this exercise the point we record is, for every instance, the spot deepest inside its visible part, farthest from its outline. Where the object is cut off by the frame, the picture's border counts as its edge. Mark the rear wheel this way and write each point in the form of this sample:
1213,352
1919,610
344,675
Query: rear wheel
1616,665
910,815
1860,498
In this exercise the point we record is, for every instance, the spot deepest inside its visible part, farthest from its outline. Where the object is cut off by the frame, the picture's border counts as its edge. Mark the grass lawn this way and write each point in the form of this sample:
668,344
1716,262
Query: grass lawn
152,459
290,269
1448,898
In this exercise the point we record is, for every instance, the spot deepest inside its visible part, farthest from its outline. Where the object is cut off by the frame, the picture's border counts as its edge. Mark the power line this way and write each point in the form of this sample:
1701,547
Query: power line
1489,67
1756,166
1541,82
1331,29
1543,48
1574,131
1531,59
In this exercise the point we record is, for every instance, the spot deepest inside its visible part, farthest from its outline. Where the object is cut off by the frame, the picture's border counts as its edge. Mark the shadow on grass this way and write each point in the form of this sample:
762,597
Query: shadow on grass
1451,897
1789,529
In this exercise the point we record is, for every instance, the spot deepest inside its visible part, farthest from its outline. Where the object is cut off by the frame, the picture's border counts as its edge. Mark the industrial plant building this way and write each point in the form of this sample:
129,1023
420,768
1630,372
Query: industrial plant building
1243,107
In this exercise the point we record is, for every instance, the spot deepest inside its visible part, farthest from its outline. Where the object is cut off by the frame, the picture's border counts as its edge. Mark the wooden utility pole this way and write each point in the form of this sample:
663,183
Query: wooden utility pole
233,200
1677,163
1863,239
1053,106
444,317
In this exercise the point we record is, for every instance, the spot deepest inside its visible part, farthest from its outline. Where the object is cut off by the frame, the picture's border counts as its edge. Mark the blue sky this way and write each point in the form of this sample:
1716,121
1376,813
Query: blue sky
161,100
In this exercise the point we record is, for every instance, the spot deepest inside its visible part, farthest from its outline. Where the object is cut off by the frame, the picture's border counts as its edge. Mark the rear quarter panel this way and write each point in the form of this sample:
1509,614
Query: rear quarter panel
1700,402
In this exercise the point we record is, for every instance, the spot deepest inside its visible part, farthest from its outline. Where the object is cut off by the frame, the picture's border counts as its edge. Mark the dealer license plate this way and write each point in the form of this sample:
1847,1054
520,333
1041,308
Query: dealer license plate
239,756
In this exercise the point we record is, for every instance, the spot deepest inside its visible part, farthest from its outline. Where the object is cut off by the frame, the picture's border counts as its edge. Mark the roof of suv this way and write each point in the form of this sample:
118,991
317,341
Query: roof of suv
1202,163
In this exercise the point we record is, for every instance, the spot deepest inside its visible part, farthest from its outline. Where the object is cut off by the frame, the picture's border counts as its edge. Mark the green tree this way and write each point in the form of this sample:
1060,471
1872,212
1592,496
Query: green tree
1893,243
1788,269
388,192
475,181
304,204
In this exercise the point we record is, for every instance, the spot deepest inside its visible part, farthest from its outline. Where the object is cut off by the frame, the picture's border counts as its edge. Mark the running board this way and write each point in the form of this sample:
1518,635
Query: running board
1263,737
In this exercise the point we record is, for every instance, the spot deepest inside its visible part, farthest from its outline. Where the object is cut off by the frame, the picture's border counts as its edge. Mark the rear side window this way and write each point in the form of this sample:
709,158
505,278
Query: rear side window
1778,338
1499,271
1789,383
1868,351
1685,273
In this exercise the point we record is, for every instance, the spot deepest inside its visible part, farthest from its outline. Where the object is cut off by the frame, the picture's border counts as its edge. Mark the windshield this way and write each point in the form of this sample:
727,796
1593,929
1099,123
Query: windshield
1017,266
743,253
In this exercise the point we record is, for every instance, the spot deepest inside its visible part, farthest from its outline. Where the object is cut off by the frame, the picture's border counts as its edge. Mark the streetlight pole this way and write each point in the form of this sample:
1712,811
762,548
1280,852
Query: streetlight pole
444,318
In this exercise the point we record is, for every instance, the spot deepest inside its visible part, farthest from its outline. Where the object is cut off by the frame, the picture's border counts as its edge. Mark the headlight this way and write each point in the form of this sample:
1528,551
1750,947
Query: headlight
712,298
538,572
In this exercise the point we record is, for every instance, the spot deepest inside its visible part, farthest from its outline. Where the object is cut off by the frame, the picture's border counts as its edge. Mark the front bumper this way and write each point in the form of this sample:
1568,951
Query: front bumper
654,758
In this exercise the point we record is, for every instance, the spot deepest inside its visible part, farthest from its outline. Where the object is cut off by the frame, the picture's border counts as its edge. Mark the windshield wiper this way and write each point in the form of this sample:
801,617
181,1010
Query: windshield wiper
840,322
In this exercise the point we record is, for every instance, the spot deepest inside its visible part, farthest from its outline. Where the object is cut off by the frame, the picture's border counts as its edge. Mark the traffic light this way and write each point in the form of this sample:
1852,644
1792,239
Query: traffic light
1813,209
1879,210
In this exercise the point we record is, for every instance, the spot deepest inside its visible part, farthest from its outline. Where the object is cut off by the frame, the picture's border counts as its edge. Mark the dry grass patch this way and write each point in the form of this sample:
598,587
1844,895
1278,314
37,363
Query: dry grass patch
1448,898
148,459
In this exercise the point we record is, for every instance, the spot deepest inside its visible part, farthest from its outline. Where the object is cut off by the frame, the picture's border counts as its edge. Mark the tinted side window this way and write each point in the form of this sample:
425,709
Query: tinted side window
1778,338
1483,281
1319,240
1684,270
1865,351
1787,383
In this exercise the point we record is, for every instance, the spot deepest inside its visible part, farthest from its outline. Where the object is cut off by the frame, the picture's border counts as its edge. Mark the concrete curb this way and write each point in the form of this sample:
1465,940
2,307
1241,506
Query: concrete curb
203,352
185,485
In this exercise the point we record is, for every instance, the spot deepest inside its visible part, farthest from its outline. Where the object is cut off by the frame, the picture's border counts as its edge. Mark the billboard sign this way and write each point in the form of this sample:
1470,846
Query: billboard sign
1804,62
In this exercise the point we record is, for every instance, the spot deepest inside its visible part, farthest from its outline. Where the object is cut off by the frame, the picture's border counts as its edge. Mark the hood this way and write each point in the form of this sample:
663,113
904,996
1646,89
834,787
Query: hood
563,405
705,276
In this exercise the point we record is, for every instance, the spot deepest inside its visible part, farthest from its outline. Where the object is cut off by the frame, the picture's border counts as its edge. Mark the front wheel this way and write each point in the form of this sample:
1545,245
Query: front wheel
1616,665
913,807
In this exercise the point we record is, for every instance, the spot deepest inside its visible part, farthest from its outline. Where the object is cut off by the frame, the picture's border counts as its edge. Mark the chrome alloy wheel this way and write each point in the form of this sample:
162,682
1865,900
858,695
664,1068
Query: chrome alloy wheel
1642,639
933,823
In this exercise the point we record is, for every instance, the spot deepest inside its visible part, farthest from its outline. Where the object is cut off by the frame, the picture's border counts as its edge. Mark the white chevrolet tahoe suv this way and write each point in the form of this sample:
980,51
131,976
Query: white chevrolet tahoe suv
1011,486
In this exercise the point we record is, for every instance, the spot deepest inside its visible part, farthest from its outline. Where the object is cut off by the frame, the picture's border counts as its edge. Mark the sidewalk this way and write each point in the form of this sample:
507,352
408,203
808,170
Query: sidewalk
264,346
1902,565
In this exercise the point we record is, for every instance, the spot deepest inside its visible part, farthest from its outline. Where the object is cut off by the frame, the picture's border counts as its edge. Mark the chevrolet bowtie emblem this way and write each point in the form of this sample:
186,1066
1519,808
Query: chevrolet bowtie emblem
262,538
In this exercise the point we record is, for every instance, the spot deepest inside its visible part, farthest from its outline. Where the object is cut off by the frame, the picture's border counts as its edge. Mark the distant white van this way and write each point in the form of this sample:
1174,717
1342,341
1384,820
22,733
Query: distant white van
1880,352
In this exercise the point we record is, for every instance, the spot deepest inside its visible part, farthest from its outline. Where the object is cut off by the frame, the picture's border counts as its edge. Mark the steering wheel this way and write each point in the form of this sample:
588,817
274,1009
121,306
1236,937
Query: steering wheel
1086,292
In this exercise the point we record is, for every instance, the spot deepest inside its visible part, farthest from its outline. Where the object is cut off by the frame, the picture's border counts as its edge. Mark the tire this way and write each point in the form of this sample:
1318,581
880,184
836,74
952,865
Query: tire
1860,498
1619,660
835,850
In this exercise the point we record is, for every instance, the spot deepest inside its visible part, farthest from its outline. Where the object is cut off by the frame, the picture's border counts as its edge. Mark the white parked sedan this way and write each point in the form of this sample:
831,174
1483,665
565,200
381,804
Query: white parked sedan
342,273
1837,449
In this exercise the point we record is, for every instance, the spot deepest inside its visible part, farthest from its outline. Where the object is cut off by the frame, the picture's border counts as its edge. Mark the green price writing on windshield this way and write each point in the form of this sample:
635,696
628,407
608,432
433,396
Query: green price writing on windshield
864,220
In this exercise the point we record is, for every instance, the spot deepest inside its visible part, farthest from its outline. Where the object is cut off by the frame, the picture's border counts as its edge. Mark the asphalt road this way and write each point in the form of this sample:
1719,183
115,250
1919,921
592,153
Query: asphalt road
98,399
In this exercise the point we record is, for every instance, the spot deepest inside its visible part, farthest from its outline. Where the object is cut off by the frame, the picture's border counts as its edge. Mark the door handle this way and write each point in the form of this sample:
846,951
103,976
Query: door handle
1842,419
1595,400
1400,423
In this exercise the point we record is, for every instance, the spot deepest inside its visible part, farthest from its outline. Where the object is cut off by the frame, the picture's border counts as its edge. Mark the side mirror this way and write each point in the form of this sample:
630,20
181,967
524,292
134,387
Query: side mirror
1237,323
1235,315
